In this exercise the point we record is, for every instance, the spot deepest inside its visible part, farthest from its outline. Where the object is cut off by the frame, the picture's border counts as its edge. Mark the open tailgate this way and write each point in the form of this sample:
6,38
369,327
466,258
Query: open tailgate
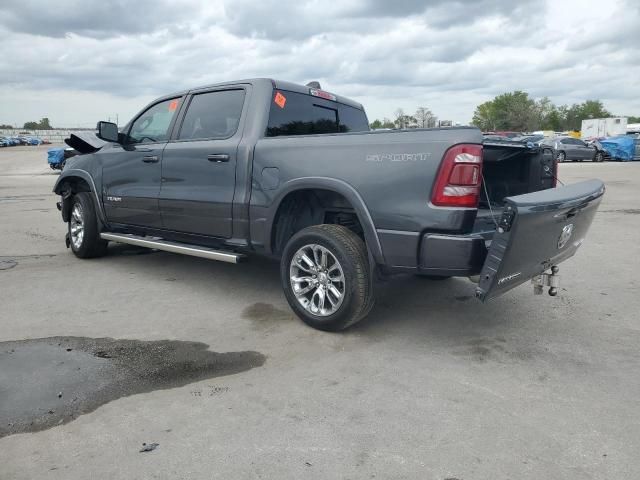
537,231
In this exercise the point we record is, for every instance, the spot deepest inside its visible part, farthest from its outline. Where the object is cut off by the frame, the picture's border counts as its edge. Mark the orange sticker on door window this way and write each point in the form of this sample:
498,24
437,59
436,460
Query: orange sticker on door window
173,105
280,99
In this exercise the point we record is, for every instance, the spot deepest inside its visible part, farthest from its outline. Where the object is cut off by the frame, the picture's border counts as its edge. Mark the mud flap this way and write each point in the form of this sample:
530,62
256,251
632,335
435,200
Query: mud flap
536,232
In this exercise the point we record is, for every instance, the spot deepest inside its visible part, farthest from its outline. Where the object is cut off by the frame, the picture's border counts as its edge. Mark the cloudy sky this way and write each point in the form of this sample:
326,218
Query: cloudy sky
79,61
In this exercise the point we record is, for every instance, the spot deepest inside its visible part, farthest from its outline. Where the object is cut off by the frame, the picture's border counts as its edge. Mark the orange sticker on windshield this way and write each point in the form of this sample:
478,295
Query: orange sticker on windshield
173,105
280,99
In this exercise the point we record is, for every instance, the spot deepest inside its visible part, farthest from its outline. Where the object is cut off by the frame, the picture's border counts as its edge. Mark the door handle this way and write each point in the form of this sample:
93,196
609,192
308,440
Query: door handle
150,159
218,157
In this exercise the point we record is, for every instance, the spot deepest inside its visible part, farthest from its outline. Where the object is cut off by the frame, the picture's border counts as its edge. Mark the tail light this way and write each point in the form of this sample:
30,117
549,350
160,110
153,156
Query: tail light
459,178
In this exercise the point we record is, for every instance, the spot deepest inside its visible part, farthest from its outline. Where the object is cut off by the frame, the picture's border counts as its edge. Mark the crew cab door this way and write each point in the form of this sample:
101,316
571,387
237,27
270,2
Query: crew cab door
537,231
199,165
131,171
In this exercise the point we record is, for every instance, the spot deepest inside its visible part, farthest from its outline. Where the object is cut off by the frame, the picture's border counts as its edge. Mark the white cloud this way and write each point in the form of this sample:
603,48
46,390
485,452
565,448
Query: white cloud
85,60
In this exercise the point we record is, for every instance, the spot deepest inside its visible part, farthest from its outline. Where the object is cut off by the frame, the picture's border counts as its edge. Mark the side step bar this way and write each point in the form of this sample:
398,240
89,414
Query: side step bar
173,247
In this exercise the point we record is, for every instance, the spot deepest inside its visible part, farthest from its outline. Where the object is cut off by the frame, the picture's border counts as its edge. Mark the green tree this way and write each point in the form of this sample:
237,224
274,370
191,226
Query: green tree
425,117
633,119
583,111
485,117
553,121
515,111
404,121
6,126
400,121
43,124
509,111
387,123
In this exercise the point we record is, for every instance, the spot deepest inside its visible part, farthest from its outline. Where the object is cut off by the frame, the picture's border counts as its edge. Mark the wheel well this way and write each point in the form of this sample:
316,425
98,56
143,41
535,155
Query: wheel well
304,208
69,187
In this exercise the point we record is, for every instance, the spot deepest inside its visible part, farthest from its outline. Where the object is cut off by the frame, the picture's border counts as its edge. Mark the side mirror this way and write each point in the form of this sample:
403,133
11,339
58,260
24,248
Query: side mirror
108,131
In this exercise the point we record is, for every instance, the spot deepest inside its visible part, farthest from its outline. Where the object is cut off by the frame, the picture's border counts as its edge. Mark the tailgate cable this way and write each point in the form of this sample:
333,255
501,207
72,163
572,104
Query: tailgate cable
486,193
548,170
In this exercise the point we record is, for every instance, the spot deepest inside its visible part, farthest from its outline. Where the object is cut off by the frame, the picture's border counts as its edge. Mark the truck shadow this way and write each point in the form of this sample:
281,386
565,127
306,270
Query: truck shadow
406,304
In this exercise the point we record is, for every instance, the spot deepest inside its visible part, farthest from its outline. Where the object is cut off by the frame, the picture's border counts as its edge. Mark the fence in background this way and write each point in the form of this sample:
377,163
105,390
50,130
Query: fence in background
56,135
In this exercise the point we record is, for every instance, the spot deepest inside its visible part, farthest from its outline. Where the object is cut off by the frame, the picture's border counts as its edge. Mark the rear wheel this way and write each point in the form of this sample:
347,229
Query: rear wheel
599,157
326,277
84,234
562,156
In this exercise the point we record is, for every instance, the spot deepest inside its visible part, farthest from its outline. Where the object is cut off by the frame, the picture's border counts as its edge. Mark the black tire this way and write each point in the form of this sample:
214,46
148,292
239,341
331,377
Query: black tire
562,157
90,245
351,253
599,157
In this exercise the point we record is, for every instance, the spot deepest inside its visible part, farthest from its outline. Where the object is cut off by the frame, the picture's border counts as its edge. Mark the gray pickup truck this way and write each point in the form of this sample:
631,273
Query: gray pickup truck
293,172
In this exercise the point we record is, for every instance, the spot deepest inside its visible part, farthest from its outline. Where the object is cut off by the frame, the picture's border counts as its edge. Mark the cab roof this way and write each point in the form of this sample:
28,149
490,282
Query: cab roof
278,84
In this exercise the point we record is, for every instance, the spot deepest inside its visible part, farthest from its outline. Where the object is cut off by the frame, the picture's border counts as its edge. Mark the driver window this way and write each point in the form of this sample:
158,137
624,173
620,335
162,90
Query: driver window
153,125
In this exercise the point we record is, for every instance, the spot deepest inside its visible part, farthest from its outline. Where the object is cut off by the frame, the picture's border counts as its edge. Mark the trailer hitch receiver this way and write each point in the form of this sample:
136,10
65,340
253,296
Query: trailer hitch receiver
551,280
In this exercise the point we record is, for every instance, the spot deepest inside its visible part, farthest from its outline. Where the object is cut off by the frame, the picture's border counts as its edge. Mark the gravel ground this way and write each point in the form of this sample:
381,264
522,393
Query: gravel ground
434,385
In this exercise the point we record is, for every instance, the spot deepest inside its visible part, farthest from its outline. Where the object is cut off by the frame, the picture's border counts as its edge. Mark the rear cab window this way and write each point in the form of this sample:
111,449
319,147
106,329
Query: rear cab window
294,113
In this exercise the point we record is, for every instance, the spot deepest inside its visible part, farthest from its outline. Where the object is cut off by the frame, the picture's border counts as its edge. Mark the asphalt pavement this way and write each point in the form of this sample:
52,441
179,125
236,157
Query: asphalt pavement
206,360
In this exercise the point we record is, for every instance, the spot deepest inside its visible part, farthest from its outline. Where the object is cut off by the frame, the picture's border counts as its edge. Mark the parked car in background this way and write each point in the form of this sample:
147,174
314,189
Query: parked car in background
493,137
507,133
569,148
4,142
535,139
599,149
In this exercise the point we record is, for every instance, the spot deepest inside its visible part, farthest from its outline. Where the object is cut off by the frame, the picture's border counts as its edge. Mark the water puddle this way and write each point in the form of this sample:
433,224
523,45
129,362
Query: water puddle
46,382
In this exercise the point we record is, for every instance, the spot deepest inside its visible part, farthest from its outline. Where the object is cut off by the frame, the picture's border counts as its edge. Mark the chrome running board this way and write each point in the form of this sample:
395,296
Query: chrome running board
173,247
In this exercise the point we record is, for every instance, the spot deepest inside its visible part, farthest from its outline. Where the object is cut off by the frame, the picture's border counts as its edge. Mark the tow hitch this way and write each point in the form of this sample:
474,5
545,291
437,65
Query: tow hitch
551,280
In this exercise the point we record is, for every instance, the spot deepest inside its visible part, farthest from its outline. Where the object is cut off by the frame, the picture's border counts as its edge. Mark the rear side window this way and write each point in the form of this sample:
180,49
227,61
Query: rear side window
299,114
212,115
352,119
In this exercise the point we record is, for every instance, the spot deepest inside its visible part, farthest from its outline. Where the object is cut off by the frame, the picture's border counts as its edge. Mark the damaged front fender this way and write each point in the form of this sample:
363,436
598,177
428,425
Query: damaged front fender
73,180
85,142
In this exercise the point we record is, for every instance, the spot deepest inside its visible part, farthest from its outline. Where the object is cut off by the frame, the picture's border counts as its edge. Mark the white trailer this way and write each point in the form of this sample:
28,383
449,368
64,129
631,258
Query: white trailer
603,127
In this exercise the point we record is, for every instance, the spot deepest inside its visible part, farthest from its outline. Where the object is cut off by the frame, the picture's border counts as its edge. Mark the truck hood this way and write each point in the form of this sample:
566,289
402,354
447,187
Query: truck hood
85,142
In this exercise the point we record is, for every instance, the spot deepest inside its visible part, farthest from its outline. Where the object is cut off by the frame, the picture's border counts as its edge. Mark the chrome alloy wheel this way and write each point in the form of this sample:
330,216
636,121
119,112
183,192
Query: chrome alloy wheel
76,226
317,280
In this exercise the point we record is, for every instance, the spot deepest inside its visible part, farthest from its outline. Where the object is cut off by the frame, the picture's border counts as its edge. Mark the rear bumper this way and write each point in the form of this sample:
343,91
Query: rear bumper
433,253
451,255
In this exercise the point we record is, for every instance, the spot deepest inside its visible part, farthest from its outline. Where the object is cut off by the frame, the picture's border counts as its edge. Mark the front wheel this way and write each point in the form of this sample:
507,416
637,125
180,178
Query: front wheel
326,277
599,157
562,156
84,234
